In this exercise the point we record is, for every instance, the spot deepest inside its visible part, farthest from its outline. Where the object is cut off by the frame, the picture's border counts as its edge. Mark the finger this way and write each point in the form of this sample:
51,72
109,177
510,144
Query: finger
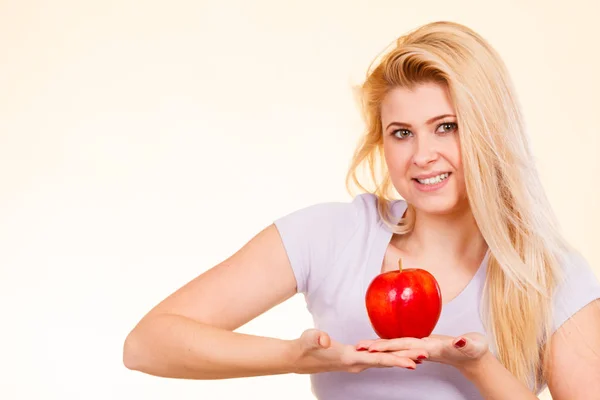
459,343
364,344
391,360
397,344
324,340
310,338
413,354
383,360
315,339
469,347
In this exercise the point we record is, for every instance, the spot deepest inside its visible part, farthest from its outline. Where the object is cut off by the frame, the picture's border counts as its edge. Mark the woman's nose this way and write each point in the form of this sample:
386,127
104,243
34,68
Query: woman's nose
425,151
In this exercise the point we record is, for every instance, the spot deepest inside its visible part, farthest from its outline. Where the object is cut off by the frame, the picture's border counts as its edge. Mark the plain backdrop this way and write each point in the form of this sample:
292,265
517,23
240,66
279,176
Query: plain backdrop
142,142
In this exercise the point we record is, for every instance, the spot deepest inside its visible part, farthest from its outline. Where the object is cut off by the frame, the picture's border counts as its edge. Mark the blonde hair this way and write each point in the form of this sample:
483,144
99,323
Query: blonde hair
504,191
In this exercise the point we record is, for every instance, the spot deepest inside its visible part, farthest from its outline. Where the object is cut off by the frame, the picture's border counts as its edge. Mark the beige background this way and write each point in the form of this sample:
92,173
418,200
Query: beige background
141,142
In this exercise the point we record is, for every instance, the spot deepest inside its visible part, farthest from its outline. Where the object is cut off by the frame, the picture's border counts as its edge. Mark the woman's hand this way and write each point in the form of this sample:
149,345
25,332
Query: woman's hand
457,351
316,352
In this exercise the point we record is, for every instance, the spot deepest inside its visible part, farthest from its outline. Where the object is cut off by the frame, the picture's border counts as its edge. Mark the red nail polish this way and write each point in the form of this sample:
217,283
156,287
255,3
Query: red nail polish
461,343
411,367
361,348
422,358
418,362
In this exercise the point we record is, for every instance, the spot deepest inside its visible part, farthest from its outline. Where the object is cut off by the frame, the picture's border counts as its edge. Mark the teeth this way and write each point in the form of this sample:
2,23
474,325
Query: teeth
434,180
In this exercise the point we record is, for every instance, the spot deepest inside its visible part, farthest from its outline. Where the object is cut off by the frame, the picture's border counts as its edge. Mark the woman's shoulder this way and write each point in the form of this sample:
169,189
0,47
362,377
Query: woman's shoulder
316,235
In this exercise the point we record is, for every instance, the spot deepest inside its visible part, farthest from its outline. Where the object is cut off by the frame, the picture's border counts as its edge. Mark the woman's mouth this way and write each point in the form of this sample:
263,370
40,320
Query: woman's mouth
434,179
432,183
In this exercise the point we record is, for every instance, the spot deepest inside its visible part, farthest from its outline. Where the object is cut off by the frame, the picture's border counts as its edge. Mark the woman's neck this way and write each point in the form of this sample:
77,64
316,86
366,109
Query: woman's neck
454,237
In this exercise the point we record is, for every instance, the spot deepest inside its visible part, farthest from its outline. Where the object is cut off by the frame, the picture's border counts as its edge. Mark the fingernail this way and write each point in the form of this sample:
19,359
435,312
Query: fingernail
418,362
461,343
361,348
372,350
411,367
422,357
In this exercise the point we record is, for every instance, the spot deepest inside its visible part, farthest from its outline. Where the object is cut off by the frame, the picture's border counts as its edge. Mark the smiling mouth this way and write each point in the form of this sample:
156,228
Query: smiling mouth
434,179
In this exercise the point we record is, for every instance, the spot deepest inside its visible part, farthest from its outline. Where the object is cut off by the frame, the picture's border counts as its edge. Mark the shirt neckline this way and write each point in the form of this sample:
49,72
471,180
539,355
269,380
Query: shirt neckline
462,301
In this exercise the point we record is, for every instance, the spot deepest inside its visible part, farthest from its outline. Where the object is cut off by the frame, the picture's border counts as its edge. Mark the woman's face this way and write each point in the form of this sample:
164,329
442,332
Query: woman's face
422,150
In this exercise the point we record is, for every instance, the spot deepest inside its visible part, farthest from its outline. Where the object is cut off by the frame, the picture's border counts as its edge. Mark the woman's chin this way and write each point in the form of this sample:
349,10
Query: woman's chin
436,206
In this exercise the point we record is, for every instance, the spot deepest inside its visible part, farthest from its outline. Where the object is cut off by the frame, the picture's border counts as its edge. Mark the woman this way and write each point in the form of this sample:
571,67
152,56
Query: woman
520,307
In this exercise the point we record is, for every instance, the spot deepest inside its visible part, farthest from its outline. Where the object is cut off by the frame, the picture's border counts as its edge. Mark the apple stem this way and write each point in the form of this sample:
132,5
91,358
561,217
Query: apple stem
400,264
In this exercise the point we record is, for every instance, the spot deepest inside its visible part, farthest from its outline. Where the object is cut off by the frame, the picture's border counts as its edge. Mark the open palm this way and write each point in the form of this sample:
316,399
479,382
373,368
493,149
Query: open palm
318,349
440,348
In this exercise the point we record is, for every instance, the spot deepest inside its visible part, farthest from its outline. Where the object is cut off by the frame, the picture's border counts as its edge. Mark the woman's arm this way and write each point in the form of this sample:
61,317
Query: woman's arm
470,354
494,381
574,372
575,356
190,333
174,346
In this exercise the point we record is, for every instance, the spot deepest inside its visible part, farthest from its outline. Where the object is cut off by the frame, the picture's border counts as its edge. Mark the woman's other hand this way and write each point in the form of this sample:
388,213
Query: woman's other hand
316,351
456,351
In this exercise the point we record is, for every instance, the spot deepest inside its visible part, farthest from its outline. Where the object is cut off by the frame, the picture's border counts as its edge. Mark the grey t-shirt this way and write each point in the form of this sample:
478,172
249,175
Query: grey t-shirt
337,248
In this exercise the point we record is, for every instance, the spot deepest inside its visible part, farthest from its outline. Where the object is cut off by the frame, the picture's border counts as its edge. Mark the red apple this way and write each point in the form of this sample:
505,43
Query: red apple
404,303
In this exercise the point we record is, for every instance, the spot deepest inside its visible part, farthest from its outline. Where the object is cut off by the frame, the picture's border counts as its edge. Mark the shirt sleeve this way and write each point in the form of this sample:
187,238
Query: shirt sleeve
313,238
579,287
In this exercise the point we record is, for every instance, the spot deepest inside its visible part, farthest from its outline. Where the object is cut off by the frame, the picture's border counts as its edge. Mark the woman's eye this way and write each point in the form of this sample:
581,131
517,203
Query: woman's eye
402,133
447,127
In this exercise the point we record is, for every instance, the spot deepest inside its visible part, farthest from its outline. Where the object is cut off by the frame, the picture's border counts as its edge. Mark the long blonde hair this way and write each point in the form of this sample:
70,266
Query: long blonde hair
504,191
